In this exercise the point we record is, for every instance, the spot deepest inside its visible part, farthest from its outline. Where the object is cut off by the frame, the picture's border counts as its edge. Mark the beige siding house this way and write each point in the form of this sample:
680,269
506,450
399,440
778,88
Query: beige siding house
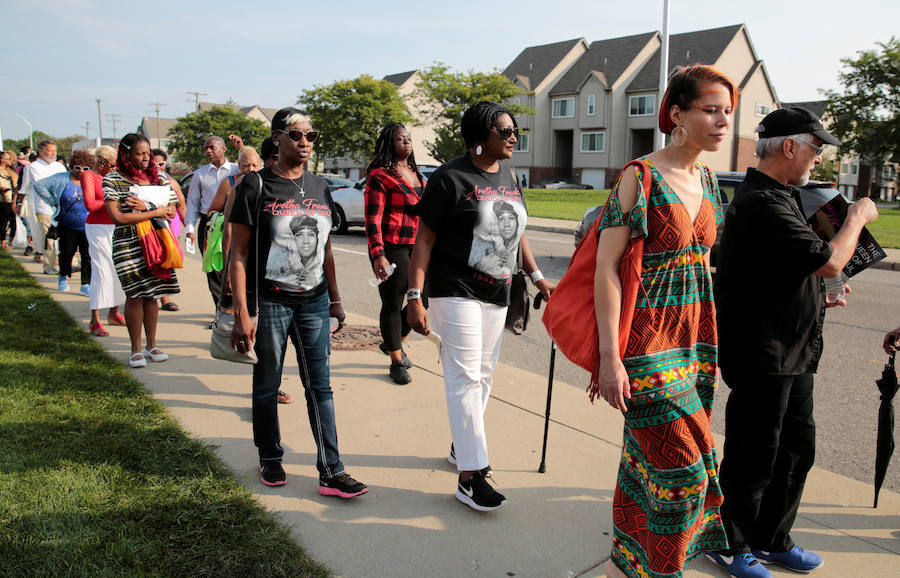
600,110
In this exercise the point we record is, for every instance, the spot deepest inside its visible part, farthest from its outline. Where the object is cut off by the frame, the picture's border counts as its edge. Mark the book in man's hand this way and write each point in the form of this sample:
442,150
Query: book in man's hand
825,210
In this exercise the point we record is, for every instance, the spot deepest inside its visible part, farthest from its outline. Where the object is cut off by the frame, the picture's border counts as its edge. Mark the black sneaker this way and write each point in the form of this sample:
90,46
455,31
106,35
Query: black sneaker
272,474
486,472
399,373
28,251
403,357
478,494
342,486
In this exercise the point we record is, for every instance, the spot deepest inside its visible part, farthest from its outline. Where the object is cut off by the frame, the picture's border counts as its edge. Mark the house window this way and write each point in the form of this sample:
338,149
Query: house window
887,172
762,109
563,107
591,104
854,168
593,142
644,105
521,143
517,101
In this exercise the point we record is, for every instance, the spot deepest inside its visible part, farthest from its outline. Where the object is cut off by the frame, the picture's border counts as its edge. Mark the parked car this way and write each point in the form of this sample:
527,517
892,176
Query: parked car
349,207
560,184
335,183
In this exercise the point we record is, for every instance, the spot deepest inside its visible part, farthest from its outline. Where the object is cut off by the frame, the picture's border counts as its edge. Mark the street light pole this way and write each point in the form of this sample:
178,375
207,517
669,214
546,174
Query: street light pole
663,70
30,131
99,119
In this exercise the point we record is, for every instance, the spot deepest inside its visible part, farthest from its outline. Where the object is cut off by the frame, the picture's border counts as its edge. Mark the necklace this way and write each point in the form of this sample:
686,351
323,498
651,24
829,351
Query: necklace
302,176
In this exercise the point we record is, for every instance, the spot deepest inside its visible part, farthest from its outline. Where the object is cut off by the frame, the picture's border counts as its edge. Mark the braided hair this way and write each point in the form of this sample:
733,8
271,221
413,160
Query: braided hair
385,156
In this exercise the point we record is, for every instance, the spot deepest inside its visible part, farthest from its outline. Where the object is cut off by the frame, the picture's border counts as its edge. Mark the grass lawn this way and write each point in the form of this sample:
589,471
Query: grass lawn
886,229
96,479
563,203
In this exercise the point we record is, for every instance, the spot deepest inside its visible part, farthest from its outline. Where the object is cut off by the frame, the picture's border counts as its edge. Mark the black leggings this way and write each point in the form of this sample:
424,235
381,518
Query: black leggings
392,320
70,241
7,219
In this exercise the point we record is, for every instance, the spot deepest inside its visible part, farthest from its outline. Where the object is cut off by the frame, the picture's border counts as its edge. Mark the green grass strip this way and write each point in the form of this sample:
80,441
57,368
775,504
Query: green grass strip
566,204
96,479
886,229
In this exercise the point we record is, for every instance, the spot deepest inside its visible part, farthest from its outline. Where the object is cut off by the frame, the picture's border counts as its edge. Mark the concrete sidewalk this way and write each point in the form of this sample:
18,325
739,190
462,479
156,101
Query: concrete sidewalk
396,439
890,263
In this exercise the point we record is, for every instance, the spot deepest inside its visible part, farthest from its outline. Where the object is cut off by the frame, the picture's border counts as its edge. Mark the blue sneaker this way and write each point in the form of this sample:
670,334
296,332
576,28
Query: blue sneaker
63,283
85,290
740,565
796,559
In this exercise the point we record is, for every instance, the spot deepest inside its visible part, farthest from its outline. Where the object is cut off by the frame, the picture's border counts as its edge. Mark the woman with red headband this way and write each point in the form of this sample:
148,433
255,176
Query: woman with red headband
667,496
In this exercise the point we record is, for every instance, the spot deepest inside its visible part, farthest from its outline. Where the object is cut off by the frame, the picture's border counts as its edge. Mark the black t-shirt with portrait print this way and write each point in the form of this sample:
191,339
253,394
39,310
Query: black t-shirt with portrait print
293,231
479,218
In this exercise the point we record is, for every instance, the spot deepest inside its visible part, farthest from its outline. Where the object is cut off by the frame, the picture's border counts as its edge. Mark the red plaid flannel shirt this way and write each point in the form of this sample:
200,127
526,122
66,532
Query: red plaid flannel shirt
389,211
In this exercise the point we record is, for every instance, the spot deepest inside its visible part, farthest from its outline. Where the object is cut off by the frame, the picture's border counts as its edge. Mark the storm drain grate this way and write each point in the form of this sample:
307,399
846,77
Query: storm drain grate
353,337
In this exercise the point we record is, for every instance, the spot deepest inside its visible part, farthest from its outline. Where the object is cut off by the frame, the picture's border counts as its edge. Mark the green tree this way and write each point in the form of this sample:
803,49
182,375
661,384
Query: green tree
448,95
192,130
865,114
826,170
350,114
63,145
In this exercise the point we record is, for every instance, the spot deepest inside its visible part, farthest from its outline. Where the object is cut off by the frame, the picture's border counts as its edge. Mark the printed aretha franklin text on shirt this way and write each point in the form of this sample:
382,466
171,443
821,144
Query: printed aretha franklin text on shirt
291,208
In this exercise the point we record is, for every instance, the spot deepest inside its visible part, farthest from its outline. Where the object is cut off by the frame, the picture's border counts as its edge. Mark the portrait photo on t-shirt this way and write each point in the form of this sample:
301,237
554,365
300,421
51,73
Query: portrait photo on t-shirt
297,252
495,238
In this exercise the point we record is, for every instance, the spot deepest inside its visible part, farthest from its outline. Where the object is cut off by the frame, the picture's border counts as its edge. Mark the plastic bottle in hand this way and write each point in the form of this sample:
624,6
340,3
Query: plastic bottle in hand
375,281
834,289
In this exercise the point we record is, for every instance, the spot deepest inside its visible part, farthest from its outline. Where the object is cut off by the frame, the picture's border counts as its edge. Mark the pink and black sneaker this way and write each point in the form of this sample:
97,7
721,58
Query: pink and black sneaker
272,474
342,486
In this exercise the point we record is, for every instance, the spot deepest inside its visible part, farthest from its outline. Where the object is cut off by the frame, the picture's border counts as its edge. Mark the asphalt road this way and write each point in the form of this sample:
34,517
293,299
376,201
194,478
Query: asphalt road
846,395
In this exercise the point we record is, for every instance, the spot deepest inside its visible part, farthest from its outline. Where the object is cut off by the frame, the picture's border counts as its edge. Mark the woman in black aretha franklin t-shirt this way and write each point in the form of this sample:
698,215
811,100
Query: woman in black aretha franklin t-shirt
291,273
472,216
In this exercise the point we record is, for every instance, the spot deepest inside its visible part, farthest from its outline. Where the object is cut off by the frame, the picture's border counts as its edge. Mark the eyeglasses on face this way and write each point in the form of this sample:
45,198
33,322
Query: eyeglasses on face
160,164
507,132
296,135
81,168
818,149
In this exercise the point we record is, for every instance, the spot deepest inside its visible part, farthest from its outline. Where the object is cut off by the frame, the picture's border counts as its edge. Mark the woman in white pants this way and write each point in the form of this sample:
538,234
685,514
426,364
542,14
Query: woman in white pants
460,244
106,290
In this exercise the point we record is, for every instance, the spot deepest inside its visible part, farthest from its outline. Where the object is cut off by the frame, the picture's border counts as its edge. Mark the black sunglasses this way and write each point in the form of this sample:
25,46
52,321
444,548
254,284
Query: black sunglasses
505,133
296,135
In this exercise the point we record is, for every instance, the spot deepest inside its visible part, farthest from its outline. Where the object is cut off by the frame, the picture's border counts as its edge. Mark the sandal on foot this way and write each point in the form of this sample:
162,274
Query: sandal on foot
118,319
284,397
170,306
137,360
155,354
98,331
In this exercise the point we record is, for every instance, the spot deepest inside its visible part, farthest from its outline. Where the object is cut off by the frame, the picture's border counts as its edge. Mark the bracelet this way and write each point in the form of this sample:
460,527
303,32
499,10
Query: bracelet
413,294
334,302
536,275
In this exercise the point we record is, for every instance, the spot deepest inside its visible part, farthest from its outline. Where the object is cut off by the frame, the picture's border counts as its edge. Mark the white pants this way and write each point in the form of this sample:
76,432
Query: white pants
471,335
106,290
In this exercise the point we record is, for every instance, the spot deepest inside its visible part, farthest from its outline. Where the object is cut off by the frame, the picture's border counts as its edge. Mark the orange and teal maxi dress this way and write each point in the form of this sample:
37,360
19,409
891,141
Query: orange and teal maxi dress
667,496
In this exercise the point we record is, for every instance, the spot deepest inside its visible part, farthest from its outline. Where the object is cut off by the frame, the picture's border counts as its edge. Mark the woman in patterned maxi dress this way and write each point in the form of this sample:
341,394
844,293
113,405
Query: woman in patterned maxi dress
667,496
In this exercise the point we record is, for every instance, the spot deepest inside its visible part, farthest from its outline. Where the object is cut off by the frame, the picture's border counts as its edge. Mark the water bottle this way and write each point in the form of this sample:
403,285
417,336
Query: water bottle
375,281
834,289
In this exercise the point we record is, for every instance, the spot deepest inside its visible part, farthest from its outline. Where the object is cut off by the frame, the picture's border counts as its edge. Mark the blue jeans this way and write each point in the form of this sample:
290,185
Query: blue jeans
308,327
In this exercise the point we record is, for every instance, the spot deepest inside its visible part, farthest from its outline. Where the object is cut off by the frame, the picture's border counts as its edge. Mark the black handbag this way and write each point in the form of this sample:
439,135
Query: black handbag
518,313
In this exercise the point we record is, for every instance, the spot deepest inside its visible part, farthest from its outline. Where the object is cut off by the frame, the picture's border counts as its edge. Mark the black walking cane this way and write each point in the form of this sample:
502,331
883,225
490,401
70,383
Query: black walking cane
543,467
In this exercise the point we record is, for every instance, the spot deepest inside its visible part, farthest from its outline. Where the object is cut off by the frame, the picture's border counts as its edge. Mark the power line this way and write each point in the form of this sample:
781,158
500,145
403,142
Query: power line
114,118
197,96
87,130
157,105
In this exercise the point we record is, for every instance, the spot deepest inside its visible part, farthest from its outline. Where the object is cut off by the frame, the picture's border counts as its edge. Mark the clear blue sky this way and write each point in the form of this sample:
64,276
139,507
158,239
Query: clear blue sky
64,54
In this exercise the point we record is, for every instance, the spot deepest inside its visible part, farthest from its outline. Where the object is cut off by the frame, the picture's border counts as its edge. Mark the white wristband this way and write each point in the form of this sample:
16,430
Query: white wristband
536,275
413,294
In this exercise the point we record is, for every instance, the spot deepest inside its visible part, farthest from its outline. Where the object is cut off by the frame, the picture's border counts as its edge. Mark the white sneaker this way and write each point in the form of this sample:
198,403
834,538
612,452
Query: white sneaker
156,354
137,360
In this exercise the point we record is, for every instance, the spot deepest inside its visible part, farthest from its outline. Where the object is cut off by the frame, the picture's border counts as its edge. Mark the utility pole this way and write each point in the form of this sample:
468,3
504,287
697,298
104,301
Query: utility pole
87,130
663,71
30,131
99,119
115,120
197,96
157,105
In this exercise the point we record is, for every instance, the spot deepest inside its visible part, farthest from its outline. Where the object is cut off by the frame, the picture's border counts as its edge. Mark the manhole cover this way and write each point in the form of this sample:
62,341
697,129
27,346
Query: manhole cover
356,337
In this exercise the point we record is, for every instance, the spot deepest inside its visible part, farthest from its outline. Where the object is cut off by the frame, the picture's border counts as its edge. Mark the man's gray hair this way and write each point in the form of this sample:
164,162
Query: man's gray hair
215,139
767,147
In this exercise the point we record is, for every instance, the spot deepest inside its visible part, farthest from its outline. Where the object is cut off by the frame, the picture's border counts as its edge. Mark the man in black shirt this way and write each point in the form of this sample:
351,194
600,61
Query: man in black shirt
771,306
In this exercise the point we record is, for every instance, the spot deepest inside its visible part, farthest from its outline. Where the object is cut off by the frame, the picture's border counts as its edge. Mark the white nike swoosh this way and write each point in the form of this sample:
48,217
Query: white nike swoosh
469,492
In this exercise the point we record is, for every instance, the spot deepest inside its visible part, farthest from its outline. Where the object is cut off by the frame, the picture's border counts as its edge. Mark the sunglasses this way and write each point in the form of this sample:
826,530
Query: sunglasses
505,133
296,135
81,168
161,164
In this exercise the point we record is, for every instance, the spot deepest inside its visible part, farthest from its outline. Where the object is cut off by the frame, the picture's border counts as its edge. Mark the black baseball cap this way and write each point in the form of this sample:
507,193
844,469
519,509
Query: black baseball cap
794,120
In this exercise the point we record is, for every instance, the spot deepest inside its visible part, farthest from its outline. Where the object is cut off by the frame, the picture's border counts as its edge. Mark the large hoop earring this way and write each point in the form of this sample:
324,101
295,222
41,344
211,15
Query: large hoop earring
679,136
478,151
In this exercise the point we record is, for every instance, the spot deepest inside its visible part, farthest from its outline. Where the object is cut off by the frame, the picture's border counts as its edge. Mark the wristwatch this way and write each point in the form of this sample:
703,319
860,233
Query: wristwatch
413,293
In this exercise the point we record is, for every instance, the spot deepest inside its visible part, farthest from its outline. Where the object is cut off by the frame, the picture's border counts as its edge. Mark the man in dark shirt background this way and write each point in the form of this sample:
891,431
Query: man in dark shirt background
771,306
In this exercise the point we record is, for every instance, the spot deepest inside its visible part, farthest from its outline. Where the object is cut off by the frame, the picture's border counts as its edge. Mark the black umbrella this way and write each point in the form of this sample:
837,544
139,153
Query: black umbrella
885,445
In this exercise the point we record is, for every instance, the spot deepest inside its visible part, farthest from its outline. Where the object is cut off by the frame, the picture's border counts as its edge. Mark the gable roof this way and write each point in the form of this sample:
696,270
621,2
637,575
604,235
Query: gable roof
703,46
148,126
400,77
607,59
533,64
814,106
